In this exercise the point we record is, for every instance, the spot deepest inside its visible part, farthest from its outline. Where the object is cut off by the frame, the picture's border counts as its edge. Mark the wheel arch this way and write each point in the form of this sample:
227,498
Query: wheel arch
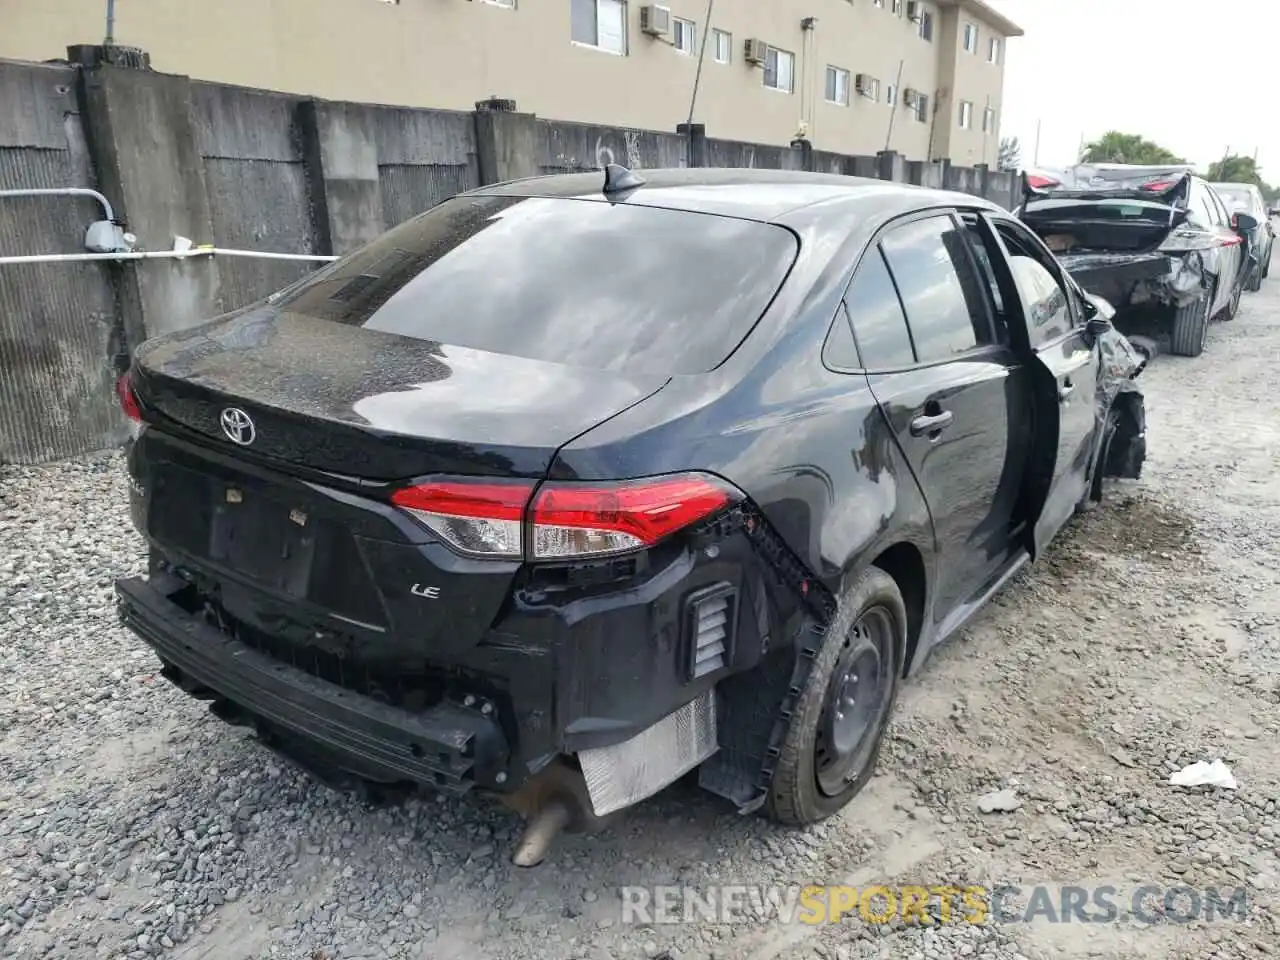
904,562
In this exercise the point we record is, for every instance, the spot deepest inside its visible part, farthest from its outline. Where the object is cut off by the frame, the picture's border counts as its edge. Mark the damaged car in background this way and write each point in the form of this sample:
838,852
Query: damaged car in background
1247,198
713,468
1155,242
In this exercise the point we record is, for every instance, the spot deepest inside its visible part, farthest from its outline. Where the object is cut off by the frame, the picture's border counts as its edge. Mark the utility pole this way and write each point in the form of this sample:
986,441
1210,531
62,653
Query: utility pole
1035,156
986,133
893,107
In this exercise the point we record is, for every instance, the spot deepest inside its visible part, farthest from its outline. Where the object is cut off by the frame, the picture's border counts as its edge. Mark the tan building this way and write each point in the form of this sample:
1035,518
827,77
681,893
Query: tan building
922,76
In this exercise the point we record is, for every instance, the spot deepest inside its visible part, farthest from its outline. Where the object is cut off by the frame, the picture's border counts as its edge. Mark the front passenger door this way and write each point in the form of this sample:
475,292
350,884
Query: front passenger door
1065,376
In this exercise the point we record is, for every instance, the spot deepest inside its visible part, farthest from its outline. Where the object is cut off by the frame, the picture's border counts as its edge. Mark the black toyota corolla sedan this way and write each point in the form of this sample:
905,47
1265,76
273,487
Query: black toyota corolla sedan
571,486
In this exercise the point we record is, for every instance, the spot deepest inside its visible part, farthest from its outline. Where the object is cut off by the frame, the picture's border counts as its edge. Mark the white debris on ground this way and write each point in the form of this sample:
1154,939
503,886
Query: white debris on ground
132,824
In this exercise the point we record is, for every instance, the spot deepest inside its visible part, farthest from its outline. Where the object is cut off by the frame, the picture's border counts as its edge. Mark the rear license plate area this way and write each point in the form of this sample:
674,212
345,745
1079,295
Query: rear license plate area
264,539
257,536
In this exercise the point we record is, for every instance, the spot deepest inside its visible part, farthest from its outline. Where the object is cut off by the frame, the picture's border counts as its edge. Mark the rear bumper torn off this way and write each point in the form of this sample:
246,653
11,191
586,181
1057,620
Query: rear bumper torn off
450,747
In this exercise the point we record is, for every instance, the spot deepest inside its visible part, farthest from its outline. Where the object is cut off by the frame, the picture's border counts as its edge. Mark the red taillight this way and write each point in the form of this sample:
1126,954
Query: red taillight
128,399
1039,183
565,520
571,520
1158,186
481,518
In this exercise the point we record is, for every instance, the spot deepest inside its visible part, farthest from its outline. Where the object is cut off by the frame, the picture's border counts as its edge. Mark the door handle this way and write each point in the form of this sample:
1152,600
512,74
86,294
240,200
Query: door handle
1065,391
931,423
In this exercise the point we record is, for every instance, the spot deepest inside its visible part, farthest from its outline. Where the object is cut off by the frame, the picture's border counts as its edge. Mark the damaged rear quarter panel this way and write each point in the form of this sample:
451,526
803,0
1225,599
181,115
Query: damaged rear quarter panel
1120,364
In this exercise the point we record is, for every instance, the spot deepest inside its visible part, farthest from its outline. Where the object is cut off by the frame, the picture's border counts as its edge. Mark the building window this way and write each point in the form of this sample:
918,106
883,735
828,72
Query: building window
966,114
838,86
600,23
989,120
724,46
921,109
993,50
509,4
897,8
779,70
926,26
878,3
867,86
970,38
685,35
891,95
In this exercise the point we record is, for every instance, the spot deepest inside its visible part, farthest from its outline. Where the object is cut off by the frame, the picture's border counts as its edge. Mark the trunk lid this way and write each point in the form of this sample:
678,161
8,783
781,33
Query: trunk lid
1101,208
373,405
275,533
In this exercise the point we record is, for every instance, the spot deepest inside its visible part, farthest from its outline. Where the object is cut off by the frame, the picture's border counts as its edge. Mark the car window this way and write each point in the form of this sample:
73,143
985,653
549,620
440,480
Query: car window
876,313
1203,212
840,352
578,282
982,258
1220,209
933,270
1044,298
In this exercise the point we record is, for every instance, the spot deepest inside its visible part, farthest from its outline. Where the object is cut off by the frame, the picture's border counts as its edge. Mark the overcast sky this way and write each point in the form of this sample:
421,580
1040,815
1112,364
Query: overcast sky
1088,66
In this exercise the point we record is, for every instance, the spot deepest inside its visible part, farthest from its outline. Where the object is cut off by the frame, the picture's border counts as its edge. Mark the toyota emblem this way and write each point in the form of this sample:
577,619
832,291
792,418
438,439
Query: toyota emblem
238,426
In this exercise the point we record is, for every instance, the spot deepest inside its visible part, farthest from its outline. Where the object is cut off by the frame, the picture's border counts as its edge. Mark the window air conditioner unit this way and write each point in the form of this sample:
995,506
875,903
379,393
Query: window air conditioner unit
910,97
655,20
755,51
864,84
914,10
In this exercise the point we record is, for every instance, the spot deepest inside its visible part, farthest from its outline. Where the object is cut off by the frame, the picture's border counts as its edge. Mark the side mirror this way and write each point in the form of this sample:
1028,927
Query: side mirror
1097,308
1097,325
1243,223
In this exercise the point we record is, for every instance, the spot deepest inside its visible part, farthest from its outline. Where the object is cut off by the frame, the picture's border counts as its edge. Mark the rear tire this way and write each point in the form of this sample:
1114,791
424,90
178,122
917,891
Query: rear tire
834,739
1110,427
1233,305
1191,327
1255,279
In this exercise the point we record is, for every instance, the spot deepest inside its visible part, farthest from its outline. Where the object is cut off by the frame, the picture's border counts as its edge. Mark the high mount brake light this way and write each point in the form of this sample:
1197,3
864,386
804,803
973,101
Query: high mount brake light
128,399
1158,186
565,521
1040,183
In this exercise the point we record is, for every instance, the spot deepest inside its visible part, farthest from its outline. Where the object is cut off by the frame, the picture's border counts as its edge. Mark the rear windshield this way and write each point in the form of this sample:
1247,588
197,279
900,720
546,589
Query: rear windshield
1118,210
586,283
1240,199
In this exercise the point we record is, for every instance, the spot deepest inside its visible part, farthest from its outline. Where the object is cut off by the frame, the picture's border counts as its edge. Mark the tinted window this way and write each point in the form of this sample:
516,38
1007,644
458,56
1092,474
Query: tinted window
982,257
878,321
1043,298
943,301
586,283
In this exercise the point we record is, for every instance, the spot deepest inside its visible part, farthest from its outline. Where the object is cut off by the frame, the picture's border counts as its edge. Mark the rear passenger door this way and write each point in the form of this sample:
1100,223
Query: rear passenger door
926,337
1228,259
1064,381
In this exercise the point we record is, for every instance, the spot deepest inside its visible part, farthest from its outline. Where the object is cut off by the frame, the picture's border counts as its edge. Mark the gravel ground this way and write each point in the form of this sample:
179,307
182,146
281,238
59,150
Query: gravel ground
134,824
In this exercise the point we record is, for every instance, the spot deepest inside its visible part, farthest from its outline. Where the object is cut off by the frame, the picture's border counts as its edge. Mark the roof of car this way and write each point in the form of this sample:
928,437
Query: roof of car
768,195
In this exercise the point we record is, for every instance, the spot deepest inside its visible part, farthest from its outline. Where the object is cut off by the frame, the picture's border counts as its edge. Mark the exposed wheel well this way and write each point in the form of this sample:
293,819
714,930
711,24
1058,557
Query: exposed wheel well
904,563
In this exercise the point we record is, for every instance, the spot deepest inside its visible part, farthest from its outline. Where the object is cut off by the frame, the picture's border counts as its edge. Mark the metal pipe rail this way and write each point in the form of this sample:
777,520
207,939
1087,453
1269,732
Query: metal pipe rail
63,192
163,255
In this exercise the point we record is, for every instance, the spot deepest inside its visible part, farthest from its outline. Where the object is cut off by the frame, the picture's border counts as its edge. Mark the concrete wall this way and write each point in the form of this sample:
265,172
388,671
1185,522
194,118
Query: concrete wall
59,327
447,54
261,171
